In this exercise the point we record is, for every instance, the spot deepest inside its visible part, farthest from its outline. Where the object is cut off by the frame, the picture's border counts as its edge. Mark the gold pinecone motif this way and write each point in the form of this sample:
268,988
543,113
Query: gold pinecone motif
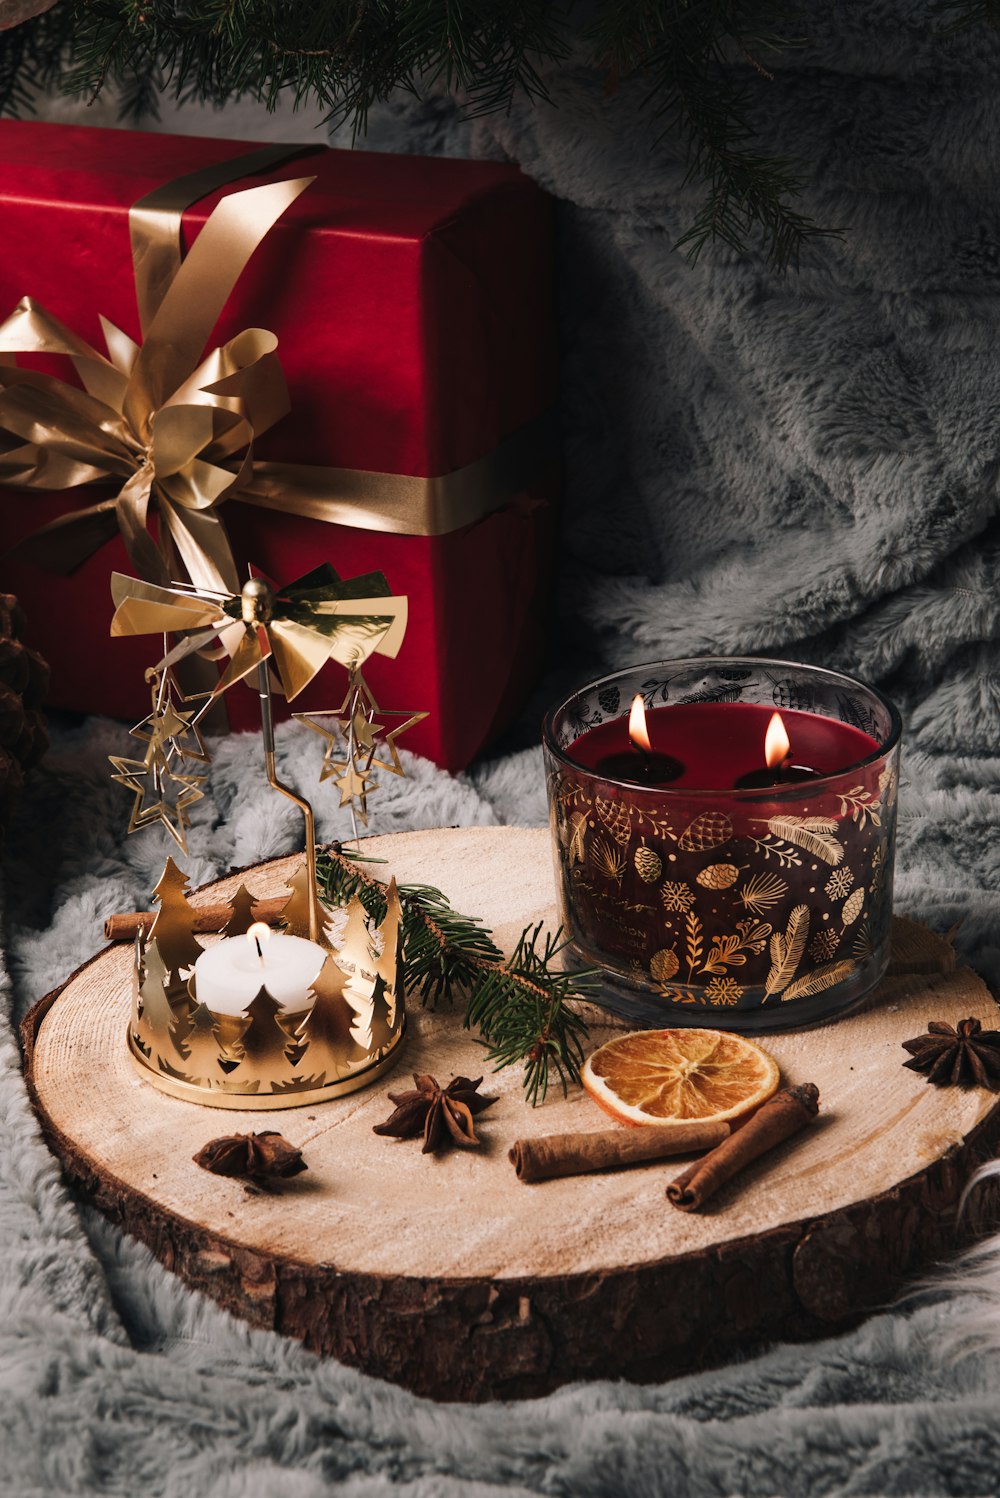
718,876
615,819
853,906
647,864
663,965
710,829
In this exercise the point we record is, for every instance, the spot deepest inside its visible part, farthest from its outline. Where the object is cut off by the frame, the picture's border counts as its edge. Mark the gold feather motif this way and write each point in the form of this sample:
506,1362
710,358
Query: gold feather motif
786,951
808,836
577,837
815,982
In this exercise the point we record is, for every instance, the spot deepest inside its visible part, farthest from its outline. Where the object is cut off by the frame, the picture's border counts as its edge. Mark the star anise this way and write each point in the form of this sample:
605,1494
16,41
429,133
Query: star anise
442,1114
254,1157
966,1056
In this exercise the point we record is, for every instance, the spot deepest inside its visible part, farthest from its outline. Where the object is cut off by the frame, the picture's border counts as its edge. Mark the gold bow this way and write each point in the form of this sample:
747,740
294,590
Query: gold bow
317,618
167,422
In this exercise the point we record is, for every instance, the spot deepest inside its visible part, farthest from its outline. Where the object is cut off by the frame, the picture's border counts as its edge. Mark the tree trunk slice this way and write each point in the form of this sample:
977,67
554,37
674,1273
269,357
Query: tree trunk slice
448,1275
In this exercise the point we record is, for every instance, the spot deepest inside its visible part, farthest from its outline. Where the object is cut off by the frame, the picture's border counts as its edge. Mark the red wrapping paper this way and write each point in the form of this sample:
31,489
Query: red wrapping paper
412,300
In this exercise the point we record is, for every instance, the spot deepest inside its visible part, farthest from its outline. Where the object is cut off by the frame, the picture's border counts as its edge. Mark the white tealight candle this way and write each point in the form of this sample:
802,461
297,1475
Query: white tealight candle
230,975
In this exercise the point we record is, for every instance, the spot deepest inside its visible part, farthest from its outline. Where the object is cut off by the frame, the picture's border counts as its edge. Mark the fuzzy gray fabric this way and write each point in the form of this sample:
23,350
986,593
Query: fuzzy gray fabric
118,1381
805,465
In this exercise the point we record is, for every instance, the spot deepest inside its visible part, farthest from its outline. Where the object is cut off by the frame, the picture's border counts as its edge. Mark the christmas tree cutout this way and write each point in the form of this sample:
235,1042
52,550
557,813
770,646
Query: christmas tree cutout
372,985
387,1008
242,917
263,1049
382,1030
388,967
295,914
160,1029
204,1051
173,928
332,1047
356,956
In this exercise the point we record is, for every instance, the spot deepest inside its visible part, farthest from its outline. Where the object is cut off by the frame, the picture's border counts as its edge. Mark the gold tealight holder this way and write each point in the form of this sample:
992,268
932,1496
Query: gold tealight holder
337,1034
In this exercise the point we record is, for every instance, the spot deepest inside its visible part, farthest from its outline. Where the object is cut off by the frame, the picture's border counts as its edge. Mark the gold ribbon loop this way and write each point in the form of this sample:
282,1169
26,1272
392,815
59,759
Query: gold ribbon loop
162,416
176,426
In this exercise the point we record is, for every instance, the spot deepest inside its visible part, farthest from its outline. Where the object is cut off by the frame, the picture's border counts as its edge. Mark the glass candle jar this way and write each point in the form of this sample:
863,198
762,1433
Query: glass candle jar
711,890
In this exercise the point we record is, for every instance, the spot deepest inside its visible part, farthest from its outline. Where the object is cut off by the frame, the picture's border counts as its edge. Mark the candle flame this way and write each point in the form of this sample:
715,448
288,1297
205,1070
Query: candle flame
637,724
258,933
776,743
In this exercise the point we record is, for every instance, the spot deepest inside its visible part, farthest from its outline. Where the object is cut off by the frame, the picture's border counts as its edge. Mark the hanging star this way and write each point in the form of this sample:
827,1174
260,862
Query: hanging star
160,794
354,789
352,743
168,730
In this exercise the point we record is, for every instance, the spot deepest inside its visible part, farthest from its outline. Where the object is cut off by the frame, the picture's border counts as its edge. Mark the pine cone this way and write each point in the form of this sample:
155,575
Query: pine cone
24,678
648,865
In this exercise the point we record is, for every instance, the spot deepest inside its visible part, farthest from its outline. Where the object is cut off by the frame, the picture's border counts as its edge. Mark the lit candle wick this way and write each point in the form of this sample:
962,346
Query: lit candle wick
259,933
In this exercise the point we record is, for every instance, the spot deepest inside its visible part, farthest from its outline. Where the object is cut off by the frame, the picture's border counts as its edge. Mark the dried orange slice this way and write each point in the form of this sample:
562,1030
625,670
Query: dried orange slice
666,1076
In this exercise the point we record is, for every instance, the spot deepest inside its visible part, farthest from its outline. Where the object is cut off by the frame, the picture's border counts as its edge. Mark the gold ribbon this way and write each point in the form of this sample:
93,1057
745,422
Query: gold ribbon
158,416
178,428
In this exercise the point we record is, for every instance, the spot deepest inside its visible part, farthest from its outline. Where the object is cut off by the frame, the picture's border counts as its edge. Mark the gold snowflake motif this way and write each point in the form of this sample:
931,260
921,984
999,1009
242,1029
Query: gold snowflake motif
723,991
677,896
823,945
839,883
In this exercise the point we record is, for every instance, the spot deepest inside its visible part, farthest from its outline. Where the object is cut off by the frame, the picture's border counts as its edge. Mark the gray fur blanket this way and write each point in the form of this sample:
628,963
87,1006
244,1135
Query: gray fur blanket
805,465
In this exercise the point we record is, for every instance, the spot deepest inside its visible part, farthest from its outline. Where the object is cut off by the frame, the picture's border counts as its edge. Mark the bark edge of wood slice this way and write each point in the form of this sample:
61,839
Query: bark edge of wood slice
519,1327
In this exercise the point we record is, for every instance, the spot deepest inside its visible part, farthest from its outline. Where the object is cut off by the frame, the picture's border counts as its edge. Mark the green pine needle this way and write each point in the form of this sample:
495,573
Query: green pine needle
703,65
522,1005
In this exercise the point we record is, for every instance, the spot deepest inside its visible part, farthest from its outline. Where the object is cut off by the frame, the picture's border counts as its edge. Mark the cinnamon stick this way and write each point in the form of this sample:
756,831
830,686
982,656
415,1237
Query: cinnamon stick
578,1154
779,1118
125,925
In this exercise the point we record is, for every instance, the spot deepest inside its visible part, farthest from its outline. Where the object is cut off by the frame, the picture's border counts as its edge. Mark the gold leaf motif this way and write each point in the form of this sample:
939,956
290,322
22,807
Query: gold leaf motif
608,860
815,982
615,818
694,943
858,802
728,951
810,838
647,864
786,951
663,965
718,876
761,891
710,829
853,906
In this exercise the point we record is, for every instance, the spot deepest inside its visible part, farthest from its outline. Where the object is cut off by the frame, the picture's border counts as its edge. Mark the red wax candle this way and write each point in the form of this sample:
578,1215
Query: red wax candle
717,743
753,889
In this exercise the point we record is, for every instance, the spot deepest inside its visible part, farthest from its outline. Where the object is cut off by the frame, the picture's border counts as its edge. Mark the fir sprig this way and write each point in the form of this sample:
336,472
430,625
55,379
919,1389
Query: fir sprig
701,62
521,1004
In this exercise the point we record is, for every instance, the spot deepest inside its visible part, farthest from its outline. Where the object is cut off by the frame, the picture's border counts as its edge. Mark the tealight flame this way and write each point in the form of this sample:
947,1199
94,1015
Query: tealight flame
776,743
637,725
257,934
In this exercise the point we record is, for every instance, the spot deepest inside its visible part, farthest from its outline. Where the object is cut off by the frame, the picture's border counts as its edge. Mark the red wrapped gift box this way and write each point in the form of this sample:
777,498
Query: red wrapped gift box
412,302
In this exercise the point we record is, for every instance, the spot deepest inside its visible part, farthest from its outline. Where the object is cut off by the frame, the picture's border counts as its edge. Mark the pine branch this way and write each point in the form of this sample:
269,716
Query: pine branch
960,15
521,1005
708,66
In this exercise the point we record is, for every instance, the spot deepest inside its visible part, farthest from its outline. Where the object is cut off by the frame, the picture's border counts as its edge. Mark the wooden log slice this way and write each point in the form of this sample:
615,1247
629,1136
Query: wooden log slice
453,1278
